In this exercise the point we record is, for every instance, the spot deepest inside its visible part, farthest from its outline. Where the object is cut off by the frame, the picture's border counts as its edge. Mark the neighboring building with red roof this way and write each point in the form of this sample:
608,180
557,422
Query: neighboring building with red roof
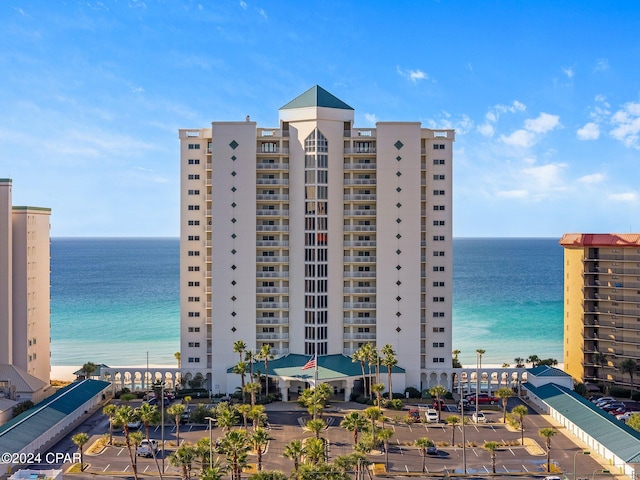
601,306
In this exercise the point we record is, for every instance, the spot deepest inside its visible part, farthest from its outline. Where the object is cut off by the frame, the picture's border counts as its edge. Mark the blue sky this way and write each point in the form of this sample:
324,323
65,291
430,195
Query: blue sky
544,96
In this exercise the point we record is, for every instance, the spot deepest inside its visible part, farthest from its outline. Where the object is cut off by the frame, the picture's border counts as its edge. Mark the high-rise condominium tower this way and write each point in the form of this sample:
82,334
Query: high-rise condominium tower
315,237
24,286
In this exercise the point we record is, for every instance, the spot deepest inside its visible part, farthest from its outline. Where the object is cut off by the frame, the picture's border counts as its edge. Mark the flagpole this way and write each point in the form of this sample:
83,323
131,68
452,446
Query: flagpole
315,385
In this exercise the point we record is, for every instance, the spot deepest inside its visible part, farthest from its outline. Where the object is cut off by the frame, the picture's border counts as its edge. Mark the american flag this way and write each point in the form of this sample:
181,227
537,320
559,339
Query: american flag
310,364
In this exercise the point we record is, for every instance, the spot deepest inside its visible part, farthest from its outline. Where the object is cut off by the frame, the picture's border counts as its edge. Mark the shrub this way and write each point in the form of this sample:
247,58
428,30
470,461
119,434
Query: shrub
362,399
395,404
413,392
200,414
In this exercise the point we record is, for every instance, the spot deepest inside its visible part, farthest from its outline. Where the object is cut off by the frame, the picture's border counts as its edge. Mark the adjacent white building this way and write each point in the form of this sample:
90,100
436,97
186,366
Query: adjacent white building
316,237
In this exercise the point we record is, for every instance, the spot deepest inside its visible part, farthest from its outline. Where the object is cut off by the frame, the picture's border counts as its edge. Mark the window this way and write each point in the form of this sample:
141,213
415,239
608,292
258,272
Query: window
438,223
194,344
438,284
194,207
438,329
438,269
363,329
194,359
438,177
194,222
194,237
438,162
438,207
194,284
194,299
438,344
194,146
268,329
194,329
438,238
438,299
194,268
438,360
193,176
194,314
193,253
194,161
193,192
438,146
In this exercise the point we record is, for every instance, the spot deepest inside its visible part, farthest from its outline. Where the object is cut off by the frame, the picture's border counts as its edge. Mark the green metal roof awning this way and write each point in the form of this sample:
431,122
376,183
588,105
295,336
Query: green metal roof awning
316,96
330,367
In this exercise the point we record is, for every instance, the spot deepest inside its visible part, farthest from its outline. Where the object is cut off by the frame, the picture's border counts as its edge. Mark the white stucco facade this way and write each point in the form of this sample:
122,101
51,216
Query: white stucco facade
316,237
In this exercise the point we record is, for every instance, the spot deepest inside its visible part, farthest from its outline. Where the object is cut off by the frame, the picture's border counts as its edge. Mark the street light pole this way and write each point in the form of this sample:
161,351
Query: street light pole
584,452
161,403
479,353
593,475
210,443
464,438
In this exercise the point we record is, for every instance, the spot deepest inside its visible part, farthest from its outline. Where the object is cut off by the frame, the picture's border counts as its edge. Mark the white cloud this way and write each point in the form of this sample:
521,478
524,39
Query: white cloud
494,113
412,75
543,124
21,11
602,64
591,131
569,72
243,5
262,13
519,138
513,193
137,89
137,4
546,176
371,118
593,178
627,125
486,129
624,197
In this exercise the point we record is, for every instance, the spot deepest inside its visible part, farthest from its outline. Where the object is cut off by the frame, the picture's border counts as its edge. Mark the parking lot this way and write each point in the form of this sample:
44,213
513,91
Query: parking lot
403,456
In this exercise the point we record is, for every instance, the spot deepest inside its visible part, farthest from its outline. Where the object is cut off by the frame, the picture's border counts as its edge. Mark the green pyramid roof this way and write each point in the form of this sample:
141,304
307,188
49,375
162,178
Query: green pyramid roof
316,96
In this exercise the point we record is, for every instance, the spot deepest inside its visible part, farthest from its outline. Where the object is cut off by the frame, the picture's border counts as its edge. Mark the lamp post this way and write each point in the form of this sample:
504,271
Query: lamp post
479,353
161,403
464,439
583,452
210,443
593,475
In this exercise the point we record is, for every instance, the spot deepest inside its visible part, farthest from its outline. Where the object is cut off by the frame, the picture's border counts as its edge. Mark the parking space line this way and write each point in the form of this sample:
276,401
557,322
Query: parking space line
106,468
505,469
525,468
485,468
145,469
512,452
126,468
406,468
121,450
474,451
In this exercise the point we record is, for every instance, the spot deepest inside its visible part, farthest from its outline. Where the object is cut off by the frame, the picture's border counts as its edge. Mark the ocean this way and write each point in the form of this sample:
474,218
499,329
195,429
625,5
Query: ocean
116,300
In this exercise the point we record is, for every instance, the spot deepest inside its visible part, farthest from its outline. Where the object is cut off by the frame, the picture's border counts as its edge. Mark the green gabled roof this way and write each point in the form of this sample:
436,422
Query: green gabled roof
617,437
547,371
316,96
20,431
330,367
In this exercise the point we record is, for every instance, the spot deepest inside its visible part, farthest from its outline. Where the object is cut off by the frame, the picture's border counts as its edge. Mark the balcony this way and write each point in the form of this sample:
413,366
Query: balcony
272,151
272,259
359,243
350,305
272,228
359,321
358,336
360,150
359,259
272,213
272,196
362,197
272,166
272,274
272,289
359,213
358,290
359,228
360,181
272,181
371,274
360,166
272,305
272,336
272,321
272,243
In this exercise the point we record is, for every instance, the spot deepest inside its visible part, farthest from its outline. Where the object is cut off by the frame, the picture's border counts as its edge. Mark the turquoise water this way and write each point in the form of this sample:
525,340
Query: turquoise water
113,300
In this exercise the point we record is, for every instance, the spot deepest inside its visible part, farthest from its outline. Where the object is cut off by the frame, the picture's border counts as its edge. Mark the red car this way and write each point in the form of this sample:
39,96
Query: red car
483,399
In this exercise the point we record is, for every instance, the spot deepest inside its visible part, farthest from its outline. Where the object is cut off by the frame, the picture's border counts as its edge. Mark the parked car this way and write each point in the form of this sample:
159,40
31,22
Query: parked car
435,404
612,406
431,415
478,417
483,399
603,400
432,450
134,425
624,417
464,404
154,401
414,414
147,448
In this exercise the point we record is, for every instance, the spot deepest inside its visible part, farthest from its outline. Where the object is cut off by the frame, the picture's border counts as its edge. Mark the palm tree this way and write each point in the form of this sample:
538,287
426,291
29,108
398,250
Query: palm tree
239,347
79,439
183,458
178,357
88,369
258,416
244,409
455,362
316,426
600,359
110,411
226,417
385,434
265,355
149,414
491,447
176,412
125,415
358,356
235,445
136,440
520,411
519,362
253,388
629,366
438,391
293,451
214,472
259,439
547,433
378,388
241,369
354,422
314,450
389,360
423,443
452,420
370,357
203,449
373,414
534,360
504,394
